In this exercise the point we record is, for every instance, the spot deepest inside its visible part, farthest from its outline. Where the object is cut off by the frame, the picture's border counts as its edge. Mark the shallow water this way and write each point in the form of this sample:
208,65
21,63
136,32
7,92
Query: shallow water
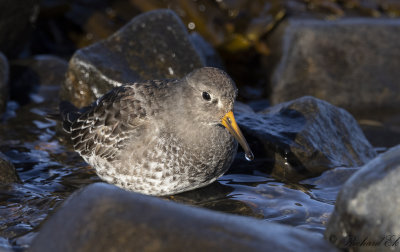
50,171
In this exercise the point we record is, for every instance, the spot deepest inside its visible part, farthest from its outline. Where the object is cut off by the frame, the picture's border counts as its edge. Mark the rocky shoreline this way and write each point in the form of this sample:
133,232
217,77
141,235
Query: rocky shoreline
334,95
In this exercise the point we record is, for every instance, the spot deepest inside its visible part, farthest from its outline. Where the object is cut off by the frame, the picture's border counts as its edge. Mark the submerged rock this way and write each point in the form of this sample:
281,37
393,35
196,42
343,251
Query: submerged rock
4,75
352,63
305,137
8,173
16,23
154,45
367,210
102,217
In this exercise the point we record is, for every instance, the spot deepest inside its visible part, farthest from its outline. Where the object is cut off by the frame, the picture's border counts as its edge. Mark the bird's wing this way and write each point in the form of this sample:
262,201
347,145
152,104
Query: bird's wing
111,121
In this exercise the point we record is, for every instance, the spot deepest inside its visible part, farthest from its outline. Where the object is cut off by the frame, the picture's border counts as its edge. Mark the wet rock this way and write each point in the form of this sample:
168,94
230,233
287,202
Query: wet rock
104,217
305,137
367,214
16,21
154,45
352,63
8,173
4,75
37,78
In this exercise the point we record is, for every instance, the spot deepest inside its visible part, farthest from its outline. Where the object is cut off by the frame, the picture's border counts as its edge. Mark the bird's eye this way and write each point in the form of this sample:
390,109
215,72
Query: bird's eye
206,96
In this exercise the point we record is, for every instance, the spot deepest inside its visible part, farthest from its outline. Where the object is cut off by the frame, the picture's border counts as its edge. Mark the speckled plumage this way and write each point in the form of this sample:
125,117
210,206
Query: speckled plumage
157,137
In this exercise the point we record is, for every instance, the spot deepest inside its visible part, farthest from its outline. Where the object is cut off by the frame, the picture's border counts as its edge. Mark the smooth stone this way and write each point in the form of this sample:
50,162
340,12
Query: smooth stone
102,217
153,45
305,137
16,24
351,62
8,174
37,78
4,86
367,210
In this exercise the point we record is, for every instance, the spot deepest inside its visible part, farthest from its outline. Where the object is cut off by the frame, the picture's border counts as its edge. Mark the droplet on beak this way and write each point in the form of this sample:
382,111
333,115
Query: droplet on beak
229,122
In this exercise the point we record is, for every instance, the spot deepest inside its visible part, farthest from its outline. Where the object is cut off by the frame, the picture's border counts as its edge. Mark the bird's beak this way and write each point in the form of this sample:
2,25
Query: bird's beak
229,122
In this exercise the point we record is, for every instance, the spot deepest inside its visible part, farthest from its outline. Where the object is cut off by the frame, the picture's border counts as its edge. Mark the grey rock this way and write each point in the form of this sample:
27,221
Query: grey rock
8,174
16,23
367,210
305,137
4,88
352,63
102,217
154,45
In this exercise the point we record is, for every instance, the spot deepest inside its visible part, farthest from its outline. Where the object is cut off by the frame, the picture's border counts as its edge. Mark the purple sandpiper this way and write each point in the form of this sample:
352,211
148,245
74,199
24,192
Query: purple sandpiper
160,137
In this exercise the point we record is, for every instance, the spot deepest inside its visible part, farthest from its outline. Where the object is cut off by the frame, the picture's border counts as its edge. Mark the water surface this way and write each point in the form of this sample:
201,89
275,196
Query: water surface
50,171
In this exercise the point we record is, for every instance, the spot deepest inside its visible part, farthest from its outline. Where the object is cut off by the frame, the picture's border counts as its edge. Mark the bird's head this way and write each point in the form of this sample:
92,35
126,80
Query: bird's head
211,94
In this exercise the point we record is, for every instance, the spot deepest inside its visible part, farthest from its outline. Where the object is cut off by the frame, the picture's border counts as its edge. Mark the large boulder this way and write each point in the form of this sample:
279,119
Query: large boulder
305,137
367,210
102,217
352,63
154,45
16,23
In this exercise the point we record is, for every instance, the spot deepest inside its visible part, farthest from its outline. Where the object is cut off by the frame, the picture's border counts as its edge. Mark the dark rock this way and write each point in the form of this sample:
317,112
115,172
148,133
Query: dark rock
8,173
37,78
305,137
102,217
367,208
352,63
16,23
4,75
154,45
